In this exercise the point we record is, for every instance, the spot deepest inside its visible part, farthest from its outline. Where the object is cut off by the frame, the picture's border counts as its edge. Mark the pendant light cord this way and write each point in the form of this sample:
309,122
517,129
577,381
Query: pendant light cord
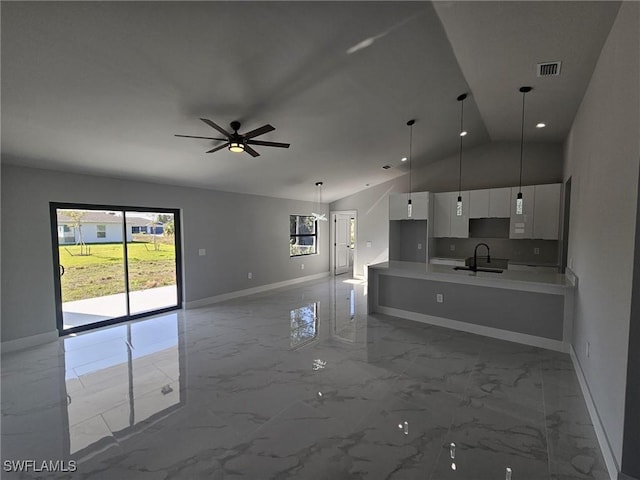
461,137
410,154
410,123
521,141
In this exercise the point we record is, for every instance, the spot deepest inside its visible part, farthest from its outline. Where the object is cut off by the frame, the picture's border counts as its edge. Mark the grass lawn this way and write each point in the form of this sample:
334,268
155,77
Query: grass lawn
102,272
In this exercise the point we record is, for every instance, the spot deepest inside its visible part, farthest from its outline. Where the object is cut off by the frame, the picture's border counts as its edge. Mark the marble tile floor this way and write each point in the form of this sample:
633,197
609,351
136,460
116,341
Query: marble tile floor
296,383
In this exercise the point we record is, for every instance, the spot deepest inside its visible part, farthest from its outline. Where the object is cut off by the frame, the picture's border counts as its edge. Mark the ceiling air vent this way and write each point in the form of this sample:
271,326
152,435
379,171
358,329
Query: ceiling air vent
549,69
386,167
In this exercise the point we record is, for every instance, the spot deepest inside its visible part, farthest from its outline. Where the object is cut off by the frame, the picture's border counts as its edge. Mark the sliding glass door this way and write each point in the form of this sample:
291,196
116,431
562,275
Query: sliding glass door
114,263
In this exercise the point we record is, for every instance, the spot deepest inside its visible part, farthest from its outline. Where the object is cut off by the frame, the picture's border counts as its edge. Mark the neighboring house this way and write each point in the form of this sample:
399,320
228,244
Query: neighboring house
102,227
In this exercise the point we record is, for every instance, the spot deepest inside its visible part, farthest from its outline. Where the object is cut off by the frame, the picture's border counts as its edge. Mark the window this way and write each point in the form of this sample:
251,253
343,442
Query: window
303,236
102,231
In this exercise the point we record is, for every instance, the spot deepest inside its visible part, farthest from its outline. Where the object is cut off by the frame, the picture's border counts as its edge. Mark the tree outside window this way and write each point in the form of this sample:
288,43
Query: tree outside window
303,235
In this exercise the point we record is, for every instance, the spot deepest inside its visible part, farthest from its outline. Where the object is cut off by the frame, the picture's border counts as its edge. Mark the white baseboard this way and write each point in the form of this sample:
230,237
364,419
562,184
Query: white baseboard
523,338
27,342
250,291
607,452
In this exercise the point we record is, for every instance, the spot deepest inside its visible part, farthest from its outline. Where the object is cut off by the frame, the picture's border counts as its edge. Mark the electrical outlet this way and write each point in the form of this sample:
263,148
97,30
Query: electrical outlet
588,349
302,266
250,275
369,244
439,298
536,251
452,247
202,252
419,246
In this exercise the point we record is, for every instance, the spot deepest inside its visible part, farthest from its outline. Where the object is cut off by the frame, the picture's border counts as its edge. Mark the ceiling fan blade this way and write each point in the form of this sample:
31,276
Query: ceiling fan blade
206,138
219,147
268,144
251,151
217,127
259,131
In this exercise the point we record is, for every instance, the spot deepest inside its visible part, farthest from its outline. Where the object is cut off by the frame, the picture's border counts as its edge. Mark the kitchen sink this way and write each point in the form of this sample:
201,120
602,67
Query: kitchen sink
480,269
495,263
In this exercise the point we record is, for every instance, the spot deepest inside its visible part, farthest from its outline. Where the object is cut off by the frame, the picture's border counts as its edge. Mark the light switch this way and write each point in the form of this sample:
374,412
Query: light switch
369,244
202,252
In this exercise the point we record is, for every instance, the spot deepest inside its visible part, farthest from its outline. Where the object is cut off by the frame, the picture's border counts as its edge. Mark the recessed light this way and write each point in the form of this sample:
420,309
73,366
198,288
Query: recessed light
541,125
403,159
463,133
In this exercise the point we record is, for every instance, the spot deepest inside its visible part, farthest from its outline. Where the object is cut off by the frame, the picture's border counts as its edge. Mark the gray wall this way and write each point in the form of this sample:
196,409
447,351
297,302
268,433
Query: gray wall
631,445
602,157
514,250
492,165
240,233
372,226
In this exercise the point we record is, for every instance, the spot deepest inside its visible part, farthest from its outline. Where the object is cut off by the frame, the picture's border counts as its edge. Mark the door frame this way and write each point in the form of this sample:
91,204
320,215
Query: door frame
332,236
54,206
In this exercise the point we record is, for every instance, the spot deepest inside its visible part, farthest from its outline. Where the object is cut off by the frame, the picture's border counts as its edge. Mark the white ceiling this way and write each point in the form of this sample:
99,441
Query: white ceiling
102,87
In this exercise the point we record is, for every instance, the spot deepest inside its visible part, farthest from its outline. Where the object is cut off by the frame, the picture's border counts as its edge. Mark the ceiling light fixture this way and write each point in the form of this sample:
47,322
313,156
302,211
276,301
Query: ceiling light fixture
541,125
462,134
409,206
403,159
319,216
236,147
519,202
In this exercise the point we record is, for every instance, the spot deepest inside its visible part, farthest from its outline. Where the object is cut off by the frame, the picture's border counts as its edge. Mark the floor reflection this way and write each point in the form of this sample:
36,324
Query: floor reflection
118,377
304,325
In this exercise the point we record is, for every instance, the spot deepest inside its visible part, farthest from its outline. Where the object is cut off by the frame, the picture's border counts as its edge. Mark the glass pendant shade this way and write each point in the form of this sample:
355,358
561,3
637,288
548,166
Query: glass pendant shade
409,208
318,215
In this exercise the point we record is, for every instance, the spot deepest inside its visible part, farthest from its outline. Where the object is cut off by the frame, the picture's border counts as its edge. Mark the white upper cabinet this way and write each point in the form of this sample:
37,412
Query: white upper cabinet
546,212
500,202
441,214
490,203
479,203
446,222
419,206
522,224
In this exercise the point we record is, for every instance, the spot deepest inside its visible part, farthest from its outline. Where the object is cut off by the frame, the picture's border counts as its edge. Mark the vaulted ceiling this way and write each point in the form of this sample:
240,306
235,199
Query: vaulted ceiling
102,87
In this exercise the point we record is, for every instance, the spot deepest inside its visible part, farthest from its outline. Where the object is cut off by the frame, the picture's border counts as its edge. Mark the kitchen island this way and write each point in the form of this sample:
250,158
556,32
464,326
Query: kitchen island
534,308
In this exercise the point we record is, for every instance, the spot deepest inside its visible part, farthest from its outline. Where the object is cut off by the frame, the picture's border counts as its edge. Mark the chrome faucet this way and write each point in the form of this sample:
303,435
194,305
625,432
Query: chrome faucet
475,256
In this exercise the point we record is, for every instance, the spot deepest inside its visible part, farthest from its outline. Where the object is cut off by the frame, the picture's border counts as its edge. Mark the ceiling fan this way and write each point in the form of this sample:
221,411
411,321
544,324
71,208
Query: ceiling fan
237,142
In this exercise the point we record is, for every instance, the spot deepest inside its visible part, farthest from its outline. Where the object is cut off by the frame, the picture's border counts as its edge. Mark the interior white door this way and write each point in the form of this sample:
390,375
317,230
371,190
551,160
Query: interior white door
341,242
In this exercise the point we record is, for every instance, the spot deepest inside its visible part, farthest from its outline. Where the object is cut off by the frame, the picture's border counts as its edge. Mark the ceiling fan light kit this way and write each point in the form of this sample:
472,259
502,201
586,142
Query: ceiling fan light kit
238,142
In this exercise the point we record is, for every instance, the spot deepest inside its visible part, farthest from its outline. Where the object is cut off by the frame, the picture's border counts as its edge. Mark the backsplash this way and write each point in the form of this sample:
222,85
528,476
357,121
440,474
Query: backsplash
514,250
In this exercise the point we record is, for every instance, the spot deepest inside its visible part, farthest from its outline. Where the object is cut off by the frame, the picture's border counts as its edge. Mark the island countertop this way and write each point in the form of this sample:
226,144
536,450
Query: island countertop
510,279
531,307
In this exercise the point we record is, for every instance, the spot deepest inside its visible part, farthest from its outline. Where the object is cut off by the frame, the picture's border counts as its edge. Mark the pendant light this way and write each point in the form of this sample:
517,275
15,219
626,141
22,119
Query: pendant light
319,216
462,135
519,201
409,206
